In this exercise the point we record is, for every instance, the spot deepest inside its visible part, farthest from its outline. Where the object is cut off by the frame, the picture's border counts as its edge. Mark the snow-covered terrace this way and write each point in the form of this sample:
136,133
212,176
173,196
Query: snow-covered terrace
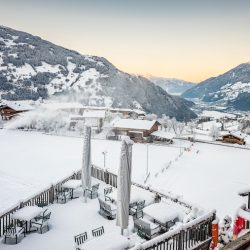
33,161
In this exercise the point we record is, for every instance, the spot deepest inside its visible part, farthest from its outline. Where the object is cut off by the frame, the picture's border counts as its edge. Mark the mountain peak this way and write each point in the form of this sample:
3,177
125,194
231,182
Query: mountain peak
33,68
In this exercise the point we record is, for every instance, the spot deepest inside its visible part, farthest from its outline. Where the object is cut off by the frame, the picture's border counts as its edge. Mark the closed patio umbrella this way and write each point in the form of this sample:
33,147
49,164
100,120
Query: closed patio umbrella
124,184
86,160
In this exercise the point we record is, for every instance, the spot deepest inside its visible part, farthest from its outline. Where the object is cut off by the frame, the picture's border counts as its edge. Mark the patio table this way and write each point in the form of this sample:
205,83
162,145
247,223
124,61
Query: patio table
161,213
27,214
137,195
111,241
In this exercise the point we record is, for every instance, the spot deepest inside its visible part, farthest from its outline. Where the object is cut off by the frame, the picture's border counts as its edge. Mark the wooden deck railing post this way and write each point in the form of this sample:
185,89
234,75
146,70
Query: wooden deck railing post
51,194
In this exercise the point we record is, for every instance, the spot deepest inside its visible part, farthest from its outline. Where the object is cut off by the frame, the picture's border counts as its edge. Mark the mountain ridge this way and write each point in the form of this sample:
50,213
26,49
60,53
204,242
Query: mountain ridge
33,68
229,89
173,86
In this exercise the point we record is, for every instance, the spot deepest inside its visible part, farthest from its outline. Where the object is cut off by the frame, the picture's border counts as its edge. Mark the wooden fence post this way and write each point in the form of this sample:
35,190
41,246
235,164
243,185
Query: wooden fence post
51,195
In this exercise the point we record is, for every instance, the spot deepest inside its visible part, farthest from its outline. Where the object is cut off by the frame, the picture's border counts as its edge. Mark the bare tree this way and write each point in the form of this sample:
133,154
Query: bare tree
151,117
214,132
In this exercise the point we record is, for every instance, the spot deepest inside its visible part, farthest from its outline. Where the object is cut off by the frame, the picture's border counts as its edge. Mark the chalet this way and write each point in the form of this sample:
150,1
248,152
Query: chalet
163,136
9,109
137,130
234,138
70,107
92,119
123,112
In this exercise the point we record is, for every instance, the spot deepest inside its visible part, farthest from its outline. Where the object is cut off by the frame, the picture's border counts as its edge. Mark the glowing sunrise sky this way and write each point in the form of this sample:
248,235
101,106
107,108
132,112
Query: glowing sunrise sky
186,39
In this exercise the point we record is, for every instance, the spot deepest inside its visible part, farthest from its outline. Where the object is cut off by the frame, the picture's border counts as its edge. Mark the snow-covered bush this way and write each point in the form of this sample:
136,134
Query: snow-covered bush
225,230
41,120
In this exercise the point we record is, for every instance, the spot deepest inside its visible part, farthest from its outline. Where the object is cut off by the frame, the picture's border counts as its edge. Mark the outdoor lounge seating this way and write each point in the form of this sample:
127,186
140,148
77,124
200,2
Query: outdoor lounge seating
63,195
45,215
80,239
107,191
98,231
41,222
13,232
107,209
146,229
137,210
93,192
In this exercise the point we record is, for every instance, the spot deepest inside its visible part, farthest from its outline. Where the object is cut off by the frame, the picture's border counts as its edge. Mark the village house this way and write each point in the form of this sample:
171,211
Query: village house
137,130
163,136
93,119
234,138
123,112
10,109
69,107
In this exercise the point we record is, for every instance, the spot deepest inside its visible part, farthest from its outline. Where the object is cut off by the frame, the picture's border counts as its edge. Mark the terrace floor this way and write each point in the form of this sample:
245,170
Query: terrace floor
73,218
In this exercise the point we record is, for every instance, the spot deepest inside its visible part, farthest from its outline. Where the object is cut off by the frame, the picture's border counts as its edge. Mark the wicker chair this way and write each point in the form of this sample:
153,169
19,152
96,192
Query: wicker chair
13,232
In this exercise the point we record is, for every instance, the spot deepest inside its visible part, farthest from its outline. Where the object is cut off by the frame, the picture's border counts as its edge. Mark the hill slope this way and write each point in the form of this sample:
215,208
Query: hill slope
32,68
231,89
171,85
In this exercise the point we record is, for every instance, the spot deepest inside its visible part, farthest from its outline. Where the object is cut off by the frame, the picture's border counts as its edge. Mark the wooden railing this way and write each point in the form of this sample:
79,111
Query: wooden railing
193,234
47,196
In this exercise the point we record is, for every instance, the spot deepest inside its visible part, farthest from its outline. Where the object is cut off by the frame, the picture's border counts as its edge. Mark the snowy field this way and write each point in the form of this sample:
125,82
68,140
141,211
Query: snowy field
207,175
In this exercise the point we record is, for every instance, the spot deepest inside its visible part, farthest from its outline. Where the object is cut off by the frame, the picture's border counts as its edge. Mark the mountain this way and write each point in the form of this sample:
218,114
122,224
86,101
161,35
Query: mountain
32,68
231,89
171,85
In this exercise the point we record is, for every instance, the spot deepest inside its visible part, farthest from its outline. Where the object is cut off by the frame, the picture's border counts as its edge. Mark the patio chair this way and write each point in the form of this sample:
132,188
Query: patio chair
93,192
45,215
39,224
146,229
80,239
98,231
137,211
42,203
13,232
63,195
107,191
107,209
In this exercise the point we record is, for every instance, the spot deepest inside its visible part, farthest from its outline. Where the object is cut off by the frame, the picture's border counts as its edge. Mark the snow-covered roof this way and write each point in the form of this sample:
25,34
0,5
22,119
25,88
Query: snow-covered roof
236,134
18,105
216,114
163,134
62,105
94,114
134,124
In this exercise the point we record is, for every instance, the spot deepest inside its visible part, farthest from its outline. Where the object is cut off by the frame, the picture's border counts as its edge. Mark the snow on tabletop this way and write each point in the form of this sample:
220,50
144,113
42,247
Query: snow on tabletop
111,241
73,184
27,213
137,194
162,212
134,124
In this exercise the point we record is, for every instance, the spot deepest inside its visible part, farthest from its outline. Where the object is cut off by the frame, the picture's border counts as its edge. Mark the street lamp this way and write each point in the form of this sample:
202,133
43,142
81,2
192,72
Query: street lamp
104,158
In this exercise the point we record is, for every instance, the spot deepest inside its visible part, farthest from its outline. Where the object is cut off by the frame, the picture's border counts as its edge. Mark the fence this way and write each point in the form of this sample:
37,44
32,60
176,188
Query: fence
194,233
46,196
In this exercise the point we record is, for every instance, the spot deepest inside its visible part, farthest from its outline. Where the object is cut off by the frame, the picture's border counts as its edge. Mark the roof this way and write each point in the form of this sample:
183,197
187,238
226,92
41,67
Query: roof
163,134
94,114
237,134
134,124
62,105
18,105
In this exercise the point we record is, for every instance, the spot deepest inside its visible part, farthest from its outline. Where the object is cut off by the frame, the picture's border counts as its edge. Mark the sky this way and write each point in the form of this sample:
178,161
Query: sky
187,39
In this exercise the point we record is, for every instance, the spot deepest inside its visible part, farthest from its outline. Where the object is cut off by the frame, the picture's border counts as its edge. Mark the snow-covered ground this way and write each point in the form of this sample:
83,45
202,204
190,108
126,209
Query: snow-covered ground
207,175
